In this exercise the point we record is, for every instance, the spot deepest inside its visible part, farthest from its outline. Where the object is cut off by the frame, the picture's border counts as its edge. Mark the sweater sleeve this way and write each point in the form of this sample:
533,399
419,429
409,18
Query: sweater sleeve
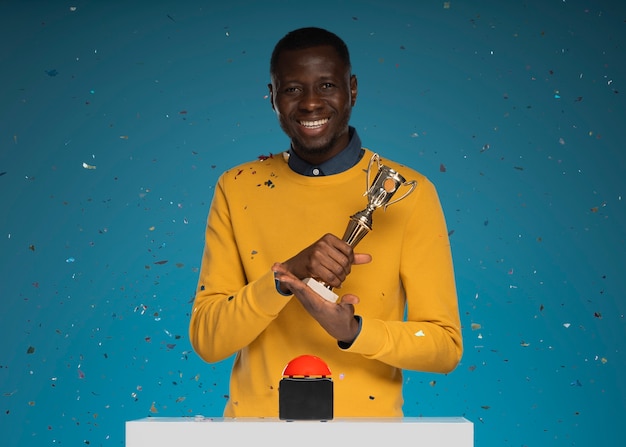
225,299
430,338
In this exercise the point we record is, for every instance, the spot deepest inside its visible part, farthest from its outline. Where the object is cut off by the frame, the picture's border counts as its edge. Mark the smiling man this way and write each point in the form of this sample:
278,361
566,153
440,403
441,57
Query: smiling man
276,221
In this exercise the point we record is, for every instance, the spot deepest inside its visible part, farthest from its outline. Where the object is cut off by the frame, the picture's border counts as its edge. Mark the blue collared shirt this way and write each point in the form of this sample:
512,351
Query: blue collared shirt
343,161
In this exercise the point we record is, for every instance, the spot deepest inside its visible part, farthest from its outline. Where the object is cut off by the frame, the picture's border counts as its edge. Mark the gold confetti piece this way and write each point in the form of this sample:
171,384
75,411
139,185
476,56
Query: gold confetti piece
476,326
151,228
524,344
88,166
124,137
153,408
446,5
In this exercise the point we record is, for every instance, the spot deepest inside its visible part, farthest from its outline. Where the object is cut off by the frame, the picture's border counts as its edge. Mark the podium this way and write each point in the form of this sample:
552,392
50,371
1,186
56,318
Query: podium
260,432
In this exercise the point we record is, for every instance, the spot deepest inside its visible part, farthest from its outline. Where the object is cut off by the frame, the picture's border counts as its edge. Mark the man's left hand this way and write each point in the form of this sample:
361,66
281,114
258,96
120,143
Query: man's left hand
336,318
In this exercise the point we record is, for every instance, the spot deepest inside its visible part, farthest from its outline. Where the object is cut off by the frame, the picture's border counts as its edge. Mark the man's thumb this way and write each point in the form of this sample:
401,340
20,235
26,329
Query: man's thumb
362,258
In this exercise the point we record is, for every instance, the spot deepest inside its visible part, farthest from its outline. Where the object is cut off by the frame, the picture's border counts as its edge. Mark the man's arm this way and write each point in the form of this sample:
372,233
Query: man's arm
228,312
430,338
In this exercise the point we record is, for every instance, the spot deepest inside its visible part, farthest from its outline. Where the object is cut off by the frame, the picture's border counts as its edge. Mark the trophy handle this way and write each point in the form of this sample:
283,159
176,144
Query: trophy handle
412,184
369,169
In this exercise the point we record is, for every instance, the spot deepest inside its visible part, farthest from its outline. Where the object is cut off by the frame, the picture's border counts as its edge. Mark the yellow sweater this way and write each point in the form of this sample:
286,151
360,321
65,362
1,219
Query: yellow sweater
263,212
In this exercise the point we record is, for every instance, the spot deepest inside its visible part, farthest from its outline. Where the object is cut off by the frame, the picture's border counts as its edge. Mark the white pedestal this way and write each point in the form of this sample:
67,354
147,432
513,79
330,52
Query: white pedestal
199,431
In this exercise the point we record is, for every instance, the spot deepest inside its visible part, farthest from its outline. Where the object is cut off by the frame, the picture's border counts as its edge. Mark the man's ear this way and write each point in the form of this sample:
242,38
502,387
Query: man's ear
354,90
271,92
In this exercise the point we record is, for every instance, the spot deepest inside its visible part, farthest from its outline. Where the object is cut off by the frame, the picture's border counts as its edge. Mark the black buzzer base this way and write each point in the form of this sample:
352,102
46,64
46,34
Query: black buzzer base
305,398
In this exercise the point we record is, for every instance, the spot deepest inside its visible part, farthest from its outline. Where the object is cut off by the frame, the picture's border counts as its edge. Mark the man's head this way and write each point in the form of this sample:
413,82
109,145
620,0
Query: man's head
313,91
304,38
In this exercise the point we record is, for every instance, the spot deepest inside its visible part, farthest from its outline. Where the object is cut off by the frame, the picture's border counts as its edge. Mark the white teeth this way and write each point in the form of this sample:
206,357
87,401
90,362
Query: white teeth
313,124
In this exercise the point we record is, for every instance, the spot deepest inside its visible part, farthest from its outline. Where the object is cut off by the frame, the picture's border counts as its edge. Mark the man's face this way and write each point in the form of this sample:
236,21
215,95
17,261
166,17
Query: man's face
312,93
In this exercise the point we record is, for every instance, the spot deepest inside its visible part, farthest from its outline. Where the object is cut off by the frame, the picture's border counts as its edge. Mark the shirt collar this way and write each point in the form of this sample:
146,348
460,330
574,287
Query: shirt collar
343,161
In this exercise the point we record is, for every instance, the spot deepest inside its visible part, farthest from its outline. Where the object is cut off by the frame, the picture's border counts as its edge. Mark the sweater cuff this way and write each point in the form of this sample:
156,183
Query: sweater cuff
371,339
267,296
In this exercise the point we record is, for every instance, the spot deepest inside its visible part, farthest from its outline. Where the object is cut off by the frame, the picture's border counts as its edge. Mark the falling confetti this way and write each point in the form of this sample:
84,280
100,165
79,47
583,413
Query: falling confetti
88,166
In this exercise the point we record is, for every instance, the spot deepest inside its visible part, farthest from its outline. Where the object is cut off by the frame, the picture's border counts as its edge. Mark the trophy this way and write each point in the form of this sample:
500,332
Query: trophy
379,193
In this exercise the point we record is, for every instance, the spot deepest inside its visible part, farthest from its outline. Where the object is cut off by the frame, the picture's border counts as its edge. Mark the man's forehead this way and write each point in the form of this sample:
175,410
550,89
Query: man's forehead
324,58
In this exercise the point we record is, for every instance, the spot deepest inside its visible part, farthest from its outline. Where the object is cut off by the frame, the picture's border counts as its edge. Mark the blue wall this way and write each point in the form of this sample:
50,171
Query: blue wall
117,117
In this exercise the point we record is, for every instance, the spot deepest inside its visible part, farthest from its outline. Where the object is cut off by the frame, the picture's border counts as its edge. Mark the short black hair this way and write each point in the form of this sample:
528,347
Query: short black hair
303,38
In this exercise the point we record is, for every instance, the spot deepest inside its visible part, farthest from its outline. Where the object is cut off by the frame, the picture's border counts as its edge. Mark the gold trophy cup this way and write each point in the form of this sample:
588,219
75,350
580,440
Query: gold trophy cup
379,193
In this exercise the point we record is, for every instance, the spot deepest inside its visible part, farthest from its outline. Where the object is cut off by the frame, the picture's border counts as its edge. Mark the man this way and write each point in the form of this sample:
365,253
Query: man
277,221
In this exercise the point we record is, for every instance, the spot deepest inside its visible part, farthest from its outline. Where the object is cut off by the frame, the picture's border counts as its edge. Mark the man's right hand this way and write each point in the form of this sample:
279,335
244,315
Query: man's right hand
328,260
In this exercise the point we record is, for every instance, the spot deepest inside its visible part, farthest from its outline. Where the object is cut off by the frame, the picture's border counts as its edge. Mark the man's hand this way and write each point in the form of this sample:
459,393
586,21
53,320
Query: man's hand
336,318
328,260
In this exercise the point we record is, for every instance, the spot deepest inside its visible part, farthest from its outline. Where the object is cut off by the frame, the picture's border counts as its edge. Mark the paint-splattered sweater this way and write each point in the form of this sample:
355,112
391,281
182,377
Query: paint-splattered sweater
263,212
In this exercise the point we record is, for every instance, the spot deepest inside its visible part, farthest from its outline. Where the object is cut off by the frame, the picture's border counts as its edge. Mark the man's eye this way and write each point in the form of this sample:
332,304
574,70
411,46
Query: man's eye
291,89
327,85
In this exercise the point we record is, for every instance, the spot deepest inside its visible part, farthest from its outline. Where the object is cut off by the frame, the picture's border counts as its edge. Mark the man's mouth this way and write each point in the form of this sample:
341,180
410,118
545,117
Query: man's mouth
314,124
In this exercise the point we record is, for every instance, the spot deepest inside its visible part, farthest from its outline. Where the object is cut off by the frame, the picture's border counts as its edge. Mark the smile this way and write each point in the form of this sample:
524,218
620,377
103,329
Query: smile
314,124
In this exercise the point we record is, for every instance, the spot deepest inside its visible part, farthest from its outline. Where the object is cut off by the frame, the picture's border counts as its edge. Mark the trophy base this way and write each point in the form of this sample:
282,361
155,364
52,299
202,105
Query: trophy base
321,290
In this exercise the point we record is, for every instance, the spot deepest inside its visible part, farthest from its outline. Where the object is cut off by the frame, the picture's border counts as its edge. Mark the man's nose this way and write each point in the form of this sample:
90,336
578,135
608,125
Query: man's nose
311,99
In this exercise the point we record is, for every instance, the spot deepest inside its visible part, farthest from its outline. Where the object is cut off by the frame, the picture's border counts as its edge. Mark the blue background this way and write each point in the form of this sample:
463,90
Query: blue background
117,117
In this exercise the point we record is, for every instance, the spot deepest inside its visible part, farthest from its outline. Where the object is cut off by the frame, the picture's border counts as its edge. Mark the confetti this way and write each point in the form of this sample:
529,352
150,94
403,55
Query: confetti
420,333
88,166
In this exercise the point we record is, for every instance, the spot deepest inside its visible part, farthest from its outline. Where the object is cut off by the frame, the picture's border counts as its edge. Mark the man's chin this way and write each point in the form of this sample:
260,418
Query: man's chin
311,150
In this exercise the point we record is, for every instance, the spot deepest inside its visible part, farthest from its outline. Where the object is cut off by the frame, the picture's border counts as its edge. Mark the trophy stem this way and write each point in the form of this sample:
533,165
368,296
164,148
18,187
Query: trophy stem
359,225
